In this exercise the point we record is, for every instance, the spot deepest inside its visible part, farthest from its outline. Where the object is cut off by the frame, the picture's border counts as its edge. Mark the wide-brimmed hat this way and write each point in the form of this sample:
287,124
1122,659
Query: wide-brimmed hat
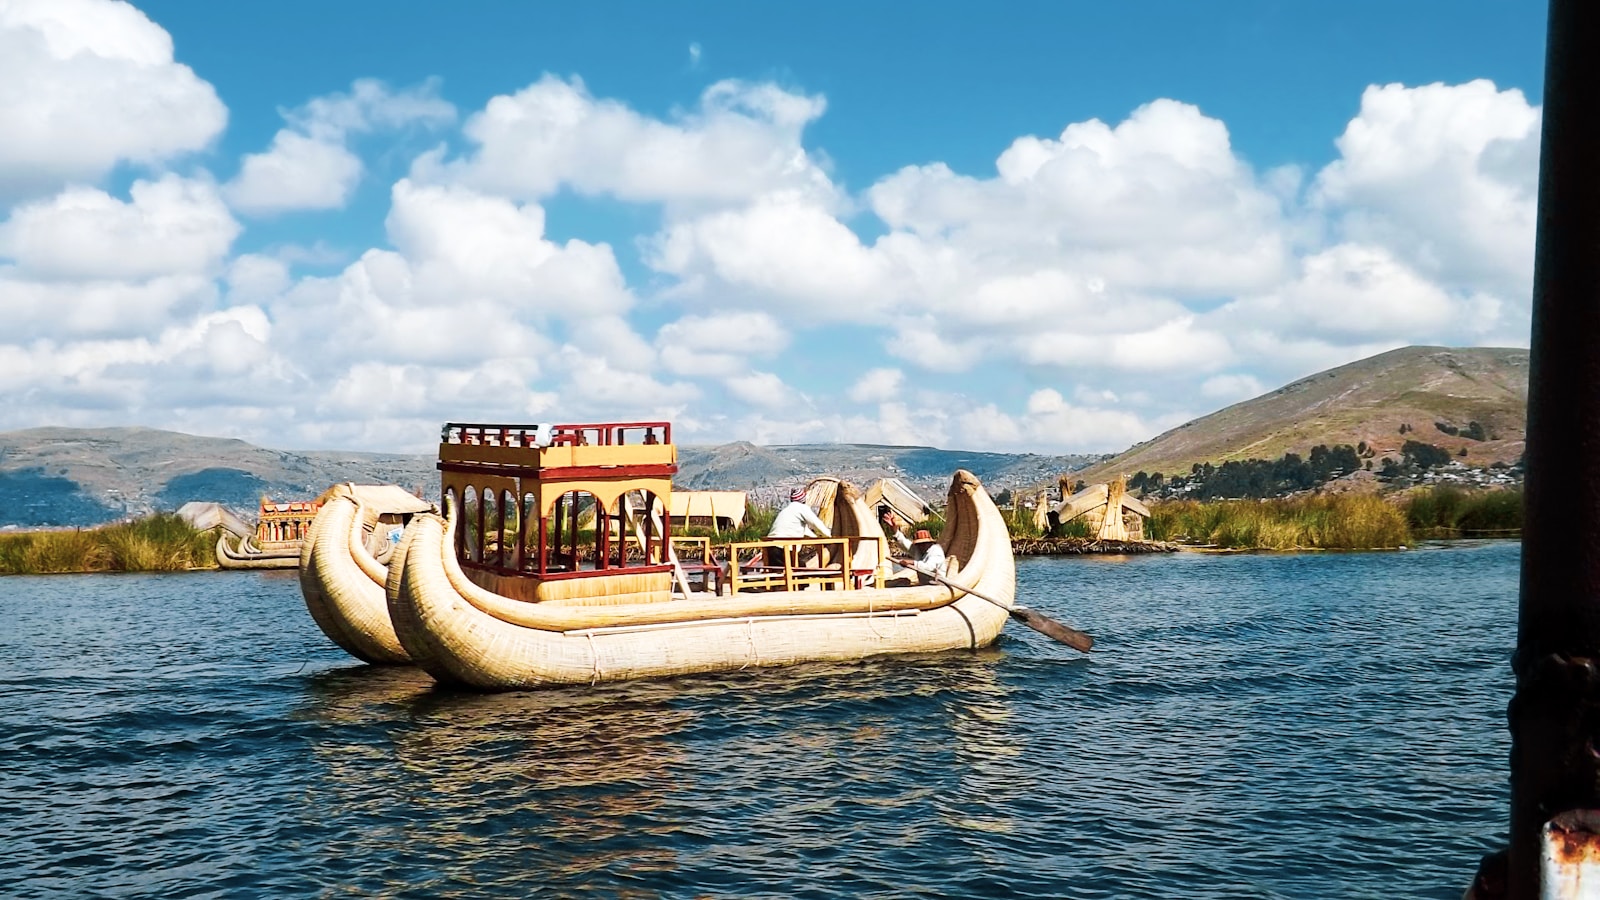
797,494
923,537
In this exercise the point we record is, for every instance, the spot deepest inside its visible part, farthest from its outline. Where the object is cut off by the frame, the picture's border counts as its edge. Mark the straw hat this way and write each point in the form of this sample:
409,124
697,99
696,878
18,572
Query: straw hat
798,493
923,537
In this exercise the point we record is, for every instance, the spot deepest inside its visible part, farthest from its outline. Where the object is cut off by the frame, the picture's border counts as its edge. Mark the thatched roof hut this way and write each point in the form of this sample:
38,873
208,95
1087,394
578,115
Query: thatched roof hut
203,516
387,503
903,500
1111,513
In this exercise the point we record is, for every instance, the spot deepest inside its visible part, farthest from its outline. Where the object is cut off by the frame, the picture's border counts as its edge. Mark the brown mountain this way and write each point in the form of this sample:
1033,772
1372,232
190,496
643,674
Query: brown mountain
1419,388
85,476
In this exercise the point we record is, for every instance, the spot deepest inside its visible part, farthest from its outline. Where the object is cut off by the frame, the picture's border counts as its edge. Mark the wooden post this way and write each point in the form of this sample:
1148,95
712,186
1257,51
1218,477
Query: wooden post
1555,713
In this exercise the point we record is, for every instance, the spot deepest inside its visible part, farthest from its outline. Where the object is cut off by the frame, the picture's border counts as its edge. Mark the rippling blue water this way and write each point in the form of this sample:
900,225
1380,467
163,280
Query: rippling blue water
1323,725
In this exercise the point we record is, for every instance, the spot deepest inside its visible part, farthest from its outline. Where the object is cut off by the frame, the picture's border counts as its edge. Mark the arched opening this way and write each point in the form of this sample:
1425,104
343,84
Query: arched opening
489,527
531,529
510,532
467,536
639,525
574,542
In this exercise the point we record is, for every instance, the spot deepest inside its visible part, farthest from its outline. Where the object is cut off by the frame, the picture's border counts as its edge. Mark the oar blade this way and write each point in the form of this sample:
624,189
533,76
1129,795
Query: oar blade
1052,629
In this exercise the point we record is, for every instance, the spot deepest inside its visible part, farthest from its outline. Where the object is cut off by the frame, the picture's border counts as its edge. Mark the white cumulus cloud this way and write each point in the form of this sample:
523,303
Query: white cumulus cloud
877,386
310,165
461,245
720,344
742,140
86,263
1443,176
86,84
1103,282
169,226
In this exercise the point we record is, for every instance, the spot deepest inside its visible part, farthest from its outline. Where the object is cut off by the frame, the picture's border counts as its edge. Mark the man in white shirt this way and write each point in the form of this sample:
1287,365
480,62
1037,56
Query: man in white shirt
930,556
794,521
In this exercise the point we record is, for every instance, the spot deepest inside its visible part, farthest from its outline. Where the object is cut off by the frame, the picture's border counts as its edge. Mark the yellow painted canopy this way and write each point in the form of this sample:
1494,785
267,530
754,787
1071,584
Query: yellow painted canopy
709,504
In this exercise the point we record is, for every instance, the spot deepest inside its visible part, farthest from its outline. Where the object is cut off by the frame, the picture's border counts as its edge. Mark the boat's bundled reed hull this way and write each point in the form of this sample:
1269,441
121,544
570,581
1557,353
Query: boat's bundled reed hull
343,585
241,556
463,634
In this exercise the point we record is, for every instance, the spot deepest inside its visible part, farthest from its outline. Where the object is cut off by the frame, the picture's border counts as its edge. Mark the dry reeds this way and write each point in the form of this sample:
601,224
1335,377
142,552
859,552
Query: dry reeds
1336,522
158,543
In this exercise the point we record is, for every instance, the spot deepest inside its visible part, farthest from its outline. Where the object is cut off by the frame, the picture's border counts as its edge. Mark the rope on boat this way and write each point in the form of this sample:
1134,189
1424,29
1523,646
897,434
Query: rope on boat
755,654
872,622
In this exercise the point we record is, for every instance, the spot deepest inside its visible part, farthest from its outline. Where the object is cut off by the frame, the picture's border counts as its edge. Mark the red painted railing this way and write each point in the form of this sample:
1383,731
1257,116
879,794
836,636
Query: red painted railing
599,434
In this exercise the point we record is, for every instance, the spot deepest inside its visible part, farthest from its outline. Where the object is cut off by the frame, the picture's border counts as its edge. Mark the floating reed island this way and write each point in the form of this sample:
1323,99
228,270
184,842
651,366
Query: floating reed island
1079,546
1089,520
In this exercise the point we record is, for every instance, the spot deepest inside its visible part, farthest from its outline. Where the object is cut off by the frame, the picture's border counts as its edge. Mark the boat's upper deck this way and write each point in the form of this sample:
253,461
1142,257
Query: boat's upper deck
642,448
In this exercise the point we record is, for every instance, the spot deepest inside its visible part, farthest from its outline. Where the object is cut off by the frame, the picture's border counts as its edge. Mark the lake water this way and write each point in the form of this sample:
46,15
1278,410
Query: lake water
1319,725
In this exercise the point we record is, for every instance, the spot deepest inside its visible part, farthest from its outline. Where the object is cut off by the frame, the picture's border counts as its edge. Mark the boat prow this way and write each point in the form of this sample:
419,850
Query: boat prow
343,584
466,634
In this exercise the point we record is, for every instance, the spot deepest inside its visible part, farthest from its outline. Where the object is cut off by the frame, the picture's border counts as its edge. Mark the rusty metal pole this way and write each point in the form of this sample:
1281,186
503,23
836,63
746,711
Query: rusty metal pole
1555,714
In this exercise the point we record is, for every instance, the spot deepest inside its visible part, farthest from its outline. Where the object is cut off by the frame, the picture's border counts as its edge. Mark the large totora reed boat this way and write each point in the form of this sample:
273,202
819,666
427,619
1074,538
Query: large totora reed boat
553,565
342,579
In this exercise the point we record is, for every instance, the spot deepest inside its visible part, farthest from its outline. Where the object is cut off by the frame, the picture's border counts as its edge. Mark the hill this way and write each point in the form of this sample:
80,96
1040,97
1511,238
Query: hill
1368,401
769,471
77,476
86,476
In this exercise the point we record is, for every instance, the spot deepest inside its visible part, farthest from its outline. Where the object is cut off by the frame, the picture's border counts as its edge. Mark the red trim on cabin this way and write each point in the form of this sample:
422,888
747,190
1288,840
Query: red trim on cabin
565,473
598,434
558,529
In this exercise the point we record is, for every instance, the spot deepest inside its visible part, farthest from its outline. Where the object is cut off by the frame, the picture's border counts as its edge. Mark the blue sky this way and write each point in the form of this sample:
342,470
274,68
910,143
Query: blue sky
1043,226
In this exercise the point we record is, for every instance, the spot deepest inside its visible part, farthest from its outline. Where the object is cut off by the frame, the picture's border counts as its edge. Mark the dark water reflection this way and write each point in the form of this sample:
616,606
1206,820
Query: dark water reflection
1251,726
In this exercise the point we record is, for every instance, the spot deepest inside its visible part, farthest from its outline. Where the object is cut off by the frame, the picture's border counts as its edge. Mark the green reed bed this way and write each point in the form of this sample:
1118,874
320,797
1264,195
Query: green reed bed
757,522
1336,522
1019,522
158,543
1448,511
1021,526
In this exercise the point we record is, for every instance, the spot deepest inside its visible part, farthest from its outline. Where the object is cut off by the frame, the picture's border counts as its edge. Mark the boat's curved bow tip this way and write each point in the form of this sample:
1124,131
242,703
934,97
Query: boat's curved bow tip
344,593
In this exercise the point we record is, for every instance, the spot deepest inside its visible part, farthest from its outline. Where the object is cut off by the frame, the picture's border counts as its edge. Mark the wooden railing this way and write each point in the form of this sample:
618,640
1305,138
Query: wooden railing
598,434
838,575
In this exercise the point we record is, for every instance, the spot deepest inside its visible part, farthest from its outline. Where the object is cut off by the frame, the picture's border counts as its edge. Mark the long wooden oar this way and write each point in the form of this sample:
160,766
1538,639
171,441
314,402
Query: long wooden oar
1034,619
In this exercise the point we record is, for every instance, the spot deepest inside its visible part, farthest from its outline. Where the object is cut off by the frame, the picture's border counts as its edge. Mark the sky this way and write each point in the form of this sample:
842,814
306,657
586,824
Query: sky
1026,227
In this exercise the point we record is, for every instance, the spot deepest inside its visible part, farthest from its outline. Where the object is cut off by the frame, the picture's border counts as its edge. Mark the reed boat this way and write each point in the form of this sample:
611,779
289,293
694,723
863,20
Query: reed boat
280,531
506,592
343,568
342,583
245,553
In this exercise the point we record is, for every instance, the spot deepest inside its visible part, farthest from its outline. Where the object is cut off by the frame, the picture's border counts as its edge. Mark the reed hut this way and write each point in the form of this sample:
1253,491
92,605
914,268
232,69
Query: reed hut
204,516
387,504
907,506
1110,512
